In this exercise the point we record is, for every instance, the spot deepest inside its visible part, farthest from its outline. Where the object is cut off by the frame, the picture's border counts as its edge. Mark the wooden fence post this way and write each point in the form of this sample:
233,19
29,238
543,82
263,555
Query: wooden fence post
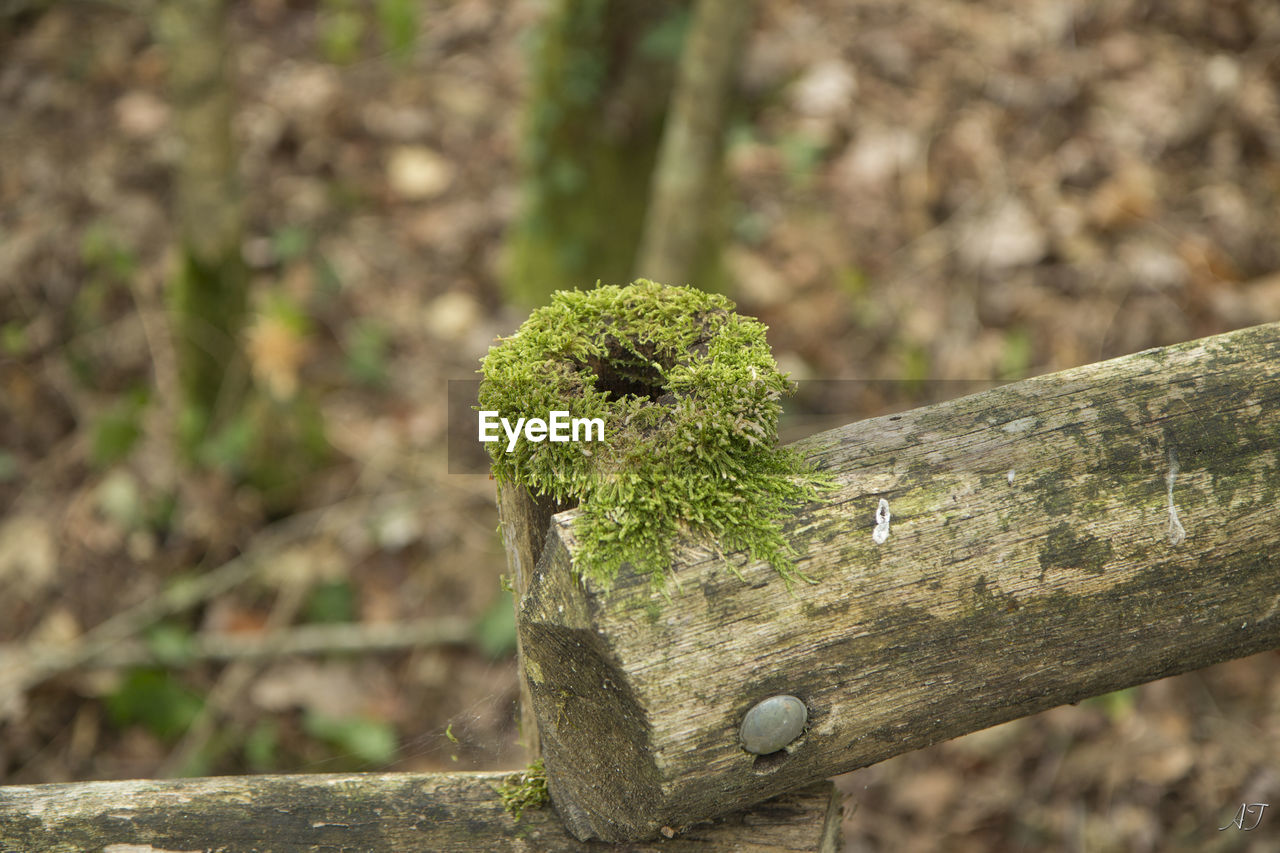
983,559
798,824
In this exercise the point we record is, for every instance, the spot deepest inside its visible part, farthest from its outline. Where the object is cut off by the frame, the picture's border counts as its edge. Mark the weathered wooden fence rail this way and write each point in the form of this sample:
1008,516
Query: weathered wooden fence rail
1046,541
400,812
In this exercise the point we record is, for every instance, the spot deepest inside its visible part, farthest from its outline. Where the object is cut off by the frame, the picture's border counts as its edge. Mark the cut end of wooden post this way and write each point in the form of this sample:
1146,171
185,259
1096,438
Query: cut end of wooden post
637,730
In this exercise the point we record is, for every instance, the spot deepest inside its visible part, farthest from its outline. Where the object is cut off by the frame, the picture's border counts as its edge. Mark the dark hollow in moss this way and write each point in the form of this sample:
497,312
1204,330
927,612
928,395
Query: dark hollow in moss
620,376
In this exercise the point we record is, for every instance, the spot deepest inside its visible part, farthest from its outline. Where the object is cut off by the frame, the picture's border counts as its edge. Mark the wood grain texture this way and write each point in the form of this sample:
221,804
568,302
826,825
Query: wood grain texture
1032,561
523,520
387,812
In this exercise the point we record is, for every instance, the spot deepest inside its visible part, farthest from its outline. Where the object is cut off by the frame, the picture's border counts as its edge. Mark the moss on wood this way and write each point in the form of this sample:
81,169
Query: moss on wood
689,394
526,789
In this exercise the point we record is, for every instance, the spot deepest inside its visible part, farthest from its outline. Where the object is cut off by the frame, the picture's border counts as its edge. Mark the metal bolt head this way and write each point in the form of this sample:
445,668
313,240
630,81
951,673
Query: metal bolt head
772,724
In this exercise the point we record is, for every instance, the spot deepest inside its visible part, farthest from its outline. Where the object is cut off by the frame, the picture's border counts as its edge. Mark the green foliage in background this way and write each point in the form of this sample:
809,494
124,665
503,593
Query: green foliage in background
330,602
13,339
8,467
368,351
342,25
1018,354
275,439
1117,704
261,746
272,445
117,430
105,256
155,699
398,26
171,643
496,629
290,243
207,299
372,742
109,267
340,30
801,157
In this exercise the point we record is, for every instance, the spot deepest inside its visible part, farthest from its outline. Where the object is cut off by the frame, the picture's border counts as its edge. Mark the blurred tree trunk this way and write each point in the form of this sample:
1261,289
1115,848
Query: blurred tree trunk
681,236
208,294
602,78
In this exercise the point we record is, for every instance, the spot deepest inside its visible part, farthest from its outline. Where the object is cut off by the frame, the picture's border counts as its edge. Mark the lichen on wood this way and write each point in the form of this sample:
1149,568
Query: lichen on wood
689,394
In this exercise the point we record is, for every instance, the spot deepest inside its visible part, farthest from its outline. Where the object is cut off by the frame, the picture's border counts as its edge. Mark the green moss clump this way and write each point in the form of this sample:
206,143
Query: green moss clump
689,394
525,790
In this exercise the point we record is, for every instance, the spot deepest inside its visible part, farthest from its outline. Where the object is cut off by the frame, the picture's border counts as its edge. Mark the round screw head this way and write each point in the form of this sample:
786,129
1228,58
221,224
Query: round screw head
772,724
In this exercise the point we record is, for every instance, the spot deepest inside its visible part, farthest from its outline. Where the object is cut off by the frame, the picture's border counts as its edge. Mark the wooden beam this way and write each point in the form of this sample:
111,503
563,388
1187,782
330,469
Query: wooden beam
392,812
1048,540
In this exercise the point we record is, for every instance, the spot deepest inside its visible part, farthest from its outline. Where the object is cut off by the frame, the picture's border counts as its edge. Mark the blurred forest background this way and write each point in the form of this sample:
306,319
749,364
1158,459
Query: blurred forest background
244,245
